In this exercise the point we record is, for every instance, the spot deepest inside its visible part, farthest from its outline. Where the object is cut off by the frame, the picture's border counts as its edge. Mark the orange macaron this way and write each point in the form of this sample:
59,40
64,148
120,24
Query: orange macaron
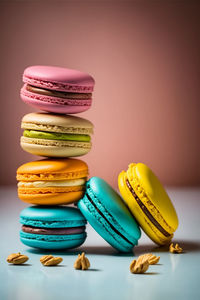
52,181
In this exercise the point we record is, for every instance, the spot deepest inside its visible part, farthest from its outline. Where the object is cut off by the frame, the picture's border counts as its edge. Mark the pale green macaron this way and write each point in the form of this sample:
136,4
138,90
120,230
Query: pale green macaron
56,135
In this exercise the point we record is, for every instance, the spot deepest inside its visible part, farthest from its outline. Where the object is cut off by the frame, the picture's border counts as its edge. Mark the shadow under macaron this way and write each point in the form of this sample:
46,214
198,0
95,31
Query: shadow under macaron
188,246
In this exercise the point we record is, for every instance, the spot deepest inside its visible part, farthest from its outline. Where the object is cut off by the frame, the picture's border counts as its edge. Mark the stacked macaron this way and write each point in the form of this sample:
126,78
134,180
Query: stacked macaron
58,179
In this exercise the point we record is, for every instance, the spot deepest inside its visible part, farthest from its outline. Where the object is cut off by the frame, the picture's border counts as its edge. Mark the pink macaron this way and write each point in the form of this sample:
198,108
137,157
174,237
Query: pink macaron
57,90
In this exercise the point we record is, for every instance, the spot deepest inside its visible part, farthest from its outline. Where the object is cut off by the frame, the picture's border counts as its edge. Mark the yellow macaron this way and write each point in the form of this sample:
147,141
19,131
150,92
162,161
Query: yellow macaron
148,202
52,181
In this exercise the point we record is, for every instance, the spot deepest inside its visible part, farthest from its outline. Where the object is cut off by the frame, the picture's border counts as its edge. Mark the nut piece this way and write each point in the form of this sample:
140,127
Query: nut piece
82,262
152,259
17,258
175,249
50,260
138,266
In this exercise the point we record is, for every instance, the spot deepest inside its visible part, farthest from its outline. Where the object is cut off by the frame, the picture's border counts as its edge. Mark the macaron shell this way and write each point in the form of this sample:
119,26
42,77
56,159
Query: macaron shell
47,148
52,217
51,198
57,78
46,242
57,123
153,233
155,192
50,189
50,169
52,107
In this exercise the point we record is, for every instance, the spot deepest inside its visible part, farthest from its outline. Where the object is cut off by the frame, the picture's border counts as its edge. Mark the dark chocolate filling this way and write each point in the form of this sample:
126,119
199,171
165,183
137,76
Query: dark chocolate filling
146,211
53,231
65,95
113,228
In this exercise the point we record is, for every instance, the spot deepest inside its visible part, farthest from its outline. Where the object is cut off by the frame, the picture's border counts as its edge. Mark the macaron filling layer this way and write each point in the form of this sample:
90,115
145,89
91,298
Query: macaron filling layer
55,183
56,136
59,94
53,231
146,211
106,219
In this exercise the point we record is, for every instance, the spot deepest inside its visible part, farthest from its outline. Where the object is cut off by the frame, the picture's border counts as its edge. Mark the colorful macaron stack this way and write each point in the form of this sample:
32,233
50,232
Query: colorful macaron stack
62,180
58,179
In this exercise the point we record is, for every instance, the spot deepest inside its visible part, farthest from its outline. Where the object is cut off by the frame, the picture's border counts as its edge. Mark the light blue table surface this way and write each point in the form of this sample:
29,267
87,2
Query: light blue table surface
177,276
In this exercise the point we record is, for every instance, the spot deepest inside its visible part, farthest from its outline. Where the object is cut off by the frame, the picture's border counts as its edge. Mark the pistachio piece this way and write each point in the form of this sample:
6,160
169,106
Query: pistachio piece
17,258
152,259
175,249
139,266
50,260
82,262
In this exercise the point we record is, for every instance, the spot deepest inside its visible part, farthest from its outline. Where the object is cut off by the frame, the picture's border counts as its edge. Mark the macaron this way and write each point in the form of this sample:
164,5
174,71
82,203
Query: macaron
148,202
52,227
55,135
57,90
52,181
106,212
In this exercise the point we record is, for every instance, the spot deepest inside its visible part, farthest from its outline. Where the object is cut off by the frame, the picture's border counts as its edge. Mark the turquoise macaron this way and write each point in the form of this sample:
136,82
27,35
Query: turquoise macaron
52,227
109,216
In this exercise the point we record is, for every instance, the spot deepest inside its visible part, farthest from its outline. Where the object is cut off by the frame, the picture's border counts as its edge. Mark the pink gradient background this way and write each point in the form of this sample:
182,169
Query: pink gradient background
144,56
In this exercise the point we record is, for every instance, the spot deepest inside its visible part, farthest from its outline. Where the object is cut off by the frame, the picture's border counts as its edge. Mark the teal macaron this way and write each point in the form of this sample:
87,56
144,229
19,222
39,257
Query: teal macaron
52,227
106,212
